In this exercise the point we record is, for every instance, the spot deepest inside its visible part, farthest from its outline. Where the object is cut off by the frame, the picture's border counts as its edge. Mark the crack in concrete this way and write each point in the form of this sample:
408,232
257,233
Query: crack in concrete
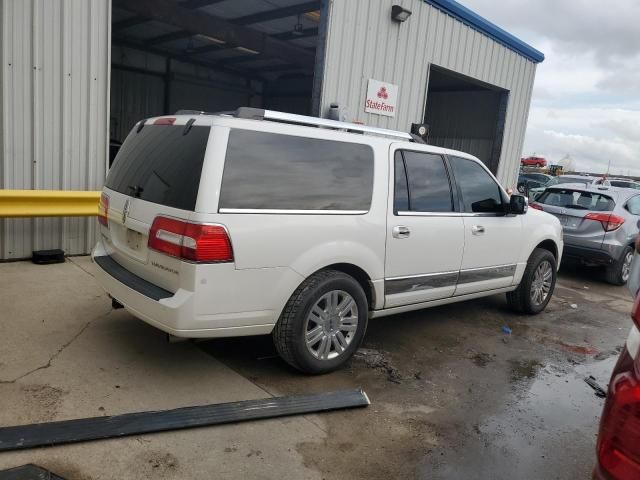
56,354
77,265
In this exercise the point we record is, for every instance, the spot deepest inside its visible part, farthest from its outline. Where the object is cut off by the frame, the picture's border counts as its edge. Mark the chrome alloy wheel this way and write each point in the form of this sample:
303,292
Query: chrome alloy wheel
331,325
541,285
626,266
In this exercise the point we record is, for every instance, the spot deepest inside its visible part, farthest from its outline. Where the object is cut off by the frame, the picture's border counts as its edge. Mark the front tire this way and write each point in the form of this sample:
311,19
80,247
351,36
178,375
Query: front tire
323,323
537,285
619,272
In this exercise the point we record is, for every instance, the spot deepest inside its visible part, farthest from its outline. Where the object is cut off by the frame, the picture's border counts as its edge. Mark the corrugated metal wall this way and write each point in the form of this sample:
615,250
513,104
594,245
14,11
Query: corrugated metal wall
363,42
54,77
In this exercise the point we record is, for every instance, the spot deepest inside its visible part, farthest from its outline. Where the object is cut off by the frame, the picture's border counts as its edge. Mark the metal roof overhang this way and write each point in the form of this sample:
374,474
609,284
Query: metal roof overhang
475,21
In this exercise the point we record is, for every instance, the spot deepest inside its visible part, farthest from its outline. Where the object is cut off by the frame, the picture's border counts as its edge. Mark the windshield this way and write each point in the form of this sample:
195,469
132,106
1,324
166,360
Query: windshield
575,199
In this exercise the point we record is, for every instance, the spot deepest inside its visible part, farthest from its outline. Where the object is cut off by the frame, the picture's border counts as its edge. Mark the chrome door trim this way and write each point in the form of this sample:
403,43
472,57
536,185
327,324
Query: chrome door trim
447,214
291,212
486,273
419,282
411,283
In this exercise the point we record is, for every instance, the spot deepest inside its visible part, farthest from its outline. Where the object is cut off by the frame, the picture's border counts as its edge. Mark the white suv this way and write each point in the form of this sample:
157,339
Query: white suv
257,222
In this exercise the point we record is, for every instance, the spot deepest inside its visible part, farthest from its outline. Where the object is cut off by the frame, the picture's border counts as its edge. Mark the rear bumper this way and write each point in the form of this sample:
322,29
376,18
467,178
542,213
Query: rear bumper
173,313
591,256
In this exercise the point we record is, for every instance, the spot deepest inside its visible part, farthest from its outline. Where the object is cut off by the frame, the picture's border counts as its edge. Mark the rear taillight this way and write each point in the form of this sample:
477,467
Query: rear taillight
619,439
103,210
635,311
190,241
537,206
609,221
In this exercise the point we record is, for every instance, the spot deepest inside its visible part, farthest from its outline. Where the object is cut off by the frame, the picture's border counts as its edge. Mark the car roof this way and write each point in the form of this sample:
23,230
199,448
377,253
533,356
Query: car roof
618,193
300,129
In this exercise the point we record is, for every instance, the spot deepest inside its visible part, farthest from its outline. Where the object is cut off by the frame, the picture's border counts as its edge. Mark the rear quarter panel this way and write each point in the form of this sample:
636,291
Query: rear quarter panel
299,243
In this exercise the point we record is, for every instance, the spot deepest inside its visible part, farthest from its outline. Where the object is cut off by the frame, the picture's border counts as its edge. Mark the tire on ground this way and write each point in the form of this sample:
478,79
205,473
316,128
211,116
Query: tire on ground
613,273
289,332
520,299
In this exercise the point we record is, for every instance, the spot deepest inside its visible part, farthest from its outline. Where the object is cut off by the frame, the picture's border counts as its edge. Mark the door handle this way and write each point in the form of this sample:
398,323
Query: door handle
477,230
400,232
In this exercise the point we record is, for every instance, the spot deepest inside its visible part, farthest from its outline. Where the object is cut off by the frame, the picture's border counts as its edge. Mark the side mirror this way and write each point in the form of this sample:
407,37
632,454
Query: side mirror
518,204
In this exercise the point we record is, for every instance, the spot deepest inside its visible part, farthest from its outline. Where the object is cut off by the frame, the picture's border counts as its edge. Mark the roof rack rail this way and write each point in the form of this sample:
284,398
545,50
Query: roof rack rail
261,114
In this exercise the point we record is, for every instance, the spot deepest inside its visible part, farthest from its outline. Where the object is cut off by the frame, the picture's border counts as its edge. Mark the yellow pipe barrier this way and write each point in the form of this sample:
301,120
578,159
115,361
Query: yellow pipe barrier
48,203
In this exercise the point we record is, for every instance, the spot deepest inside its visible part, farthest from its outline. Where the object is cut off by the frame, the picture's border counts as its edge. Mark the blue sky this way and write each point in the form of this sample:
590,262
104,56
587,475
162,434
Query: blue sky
586,98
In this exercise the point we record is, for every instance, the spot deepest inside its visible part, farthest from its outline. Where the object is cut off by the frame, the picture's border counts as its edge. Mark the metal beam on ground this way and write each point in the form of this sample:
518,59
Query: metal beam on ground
204,24
98,428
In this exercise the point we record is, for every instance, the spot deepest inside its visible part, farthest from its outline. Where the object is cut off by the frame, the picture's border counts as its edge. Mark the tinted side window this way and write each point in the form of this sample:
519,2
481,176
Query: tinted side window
401,192
429,189
633,205
284,172
480,192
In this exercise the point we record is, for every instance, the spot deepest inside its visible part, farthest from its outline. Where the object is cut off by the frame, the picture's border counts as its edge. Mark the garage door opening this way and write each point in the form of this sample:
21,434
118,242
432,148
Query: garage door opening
211,55
466,114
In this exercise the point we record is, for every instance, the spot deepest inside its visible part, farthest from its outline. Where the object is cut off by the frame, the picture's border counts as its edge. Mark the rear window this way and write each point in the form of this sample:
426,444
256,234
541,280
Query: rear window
162,164
560,180
270,171
575,199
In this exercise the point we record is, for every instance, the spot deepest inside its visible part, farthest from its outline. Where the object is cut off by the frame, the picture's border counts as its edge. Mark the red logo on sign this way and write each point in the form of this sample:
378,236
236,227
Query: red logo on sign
382,93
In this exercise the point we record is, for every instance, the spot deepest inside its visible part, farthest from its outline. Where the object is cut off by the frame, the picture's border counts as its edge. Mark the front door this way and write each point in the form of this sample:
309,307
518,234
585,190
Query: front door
492,239
425,237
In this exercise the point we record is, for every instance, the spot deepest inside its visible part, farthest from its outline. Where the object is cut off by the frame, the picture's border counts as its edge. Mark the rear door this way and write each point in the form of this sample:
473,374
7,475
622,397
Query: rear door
492,239
156,172
572,208
425,236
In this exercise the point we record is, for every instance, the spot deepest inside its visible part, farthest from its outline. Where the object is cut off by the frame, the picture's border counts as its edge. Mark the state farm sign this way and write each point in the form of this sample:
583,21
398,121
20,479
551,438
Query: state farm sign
381,98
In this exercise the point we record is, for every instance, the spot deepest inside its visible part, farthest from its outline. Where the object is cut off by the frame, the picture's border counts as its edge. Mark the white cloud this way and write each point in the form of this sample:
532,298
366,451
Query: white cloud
592,136
585,101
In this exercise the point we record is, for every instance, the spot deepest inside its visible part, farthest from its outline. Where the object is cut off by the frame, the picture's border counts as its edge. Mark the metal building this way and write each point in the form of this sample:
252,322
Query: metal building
75,74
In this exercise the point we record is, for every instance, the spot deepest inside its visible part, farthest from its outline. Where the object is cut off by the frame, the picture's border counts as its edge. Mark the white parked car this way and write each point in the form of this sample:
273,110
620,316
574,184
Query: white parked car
262,222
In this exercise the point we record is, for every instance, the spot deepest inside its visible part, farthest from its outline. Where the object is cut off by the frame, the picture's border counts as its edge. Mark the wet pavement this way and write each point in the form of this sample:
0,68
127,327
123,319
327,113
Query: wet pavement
453,396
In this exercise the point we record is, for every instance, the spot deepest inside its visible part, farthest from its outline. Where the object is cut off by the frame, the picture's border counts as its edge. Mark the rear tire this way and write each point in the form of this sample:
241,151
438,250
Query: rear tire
619,272
323,323
537,284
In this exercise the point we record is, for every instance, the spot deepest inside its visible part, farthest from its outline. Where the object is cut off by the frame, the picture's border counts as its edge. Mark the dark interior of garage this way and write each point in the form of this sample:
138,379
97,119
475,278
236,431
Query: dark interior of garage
211,55
465,114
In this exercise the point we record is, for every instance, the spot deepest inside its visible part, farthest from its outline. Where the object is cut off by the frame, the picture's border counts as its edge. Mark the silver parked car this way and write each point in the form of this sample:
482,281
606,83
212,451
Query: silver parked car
600,225
563,179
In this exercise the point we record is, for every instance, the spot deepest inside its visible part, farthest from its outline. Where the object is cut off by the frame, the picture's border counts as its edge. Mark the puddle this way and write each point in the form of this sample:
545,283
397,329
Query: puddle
541,431
523,369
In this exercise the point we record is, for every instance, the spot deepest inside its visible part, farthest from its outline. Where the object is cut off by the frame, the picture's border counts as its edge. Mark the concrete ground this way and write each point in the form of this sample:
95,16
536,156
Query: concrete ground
453,396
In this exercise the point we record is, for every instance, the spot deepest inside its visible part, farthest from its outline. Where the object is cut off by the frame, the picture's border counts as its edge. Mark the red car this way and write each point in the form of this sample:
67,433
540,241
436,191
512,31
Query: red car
533,162
618,448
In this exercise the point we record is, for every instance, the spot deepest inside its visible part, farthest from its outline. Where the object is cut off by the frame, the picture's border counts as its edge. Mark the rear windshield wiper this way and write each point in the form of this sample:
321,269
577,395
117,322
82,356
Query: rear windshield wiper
135,190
